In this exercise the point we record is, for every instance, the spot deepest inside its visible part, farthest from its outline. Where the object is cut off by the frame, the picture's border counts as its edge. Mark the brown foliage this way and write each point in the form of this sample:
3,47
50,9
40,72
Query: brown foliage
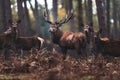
51,66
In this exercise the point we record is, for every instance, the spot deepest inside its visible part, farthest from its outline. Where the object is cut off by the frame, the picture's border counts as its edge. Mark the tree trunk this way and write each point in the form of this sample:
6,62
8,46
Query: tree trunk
68,7
80,15
90,19
108,16
37,18
27,19
5,14
101,17
21,26
2,16
47,34
8,13
115,28
55,14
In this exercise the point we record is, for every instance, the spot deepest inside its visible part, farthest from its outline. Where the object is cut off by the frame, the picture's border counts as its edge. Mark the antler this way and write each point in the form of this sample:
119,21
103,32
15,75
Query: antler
67,18
46,18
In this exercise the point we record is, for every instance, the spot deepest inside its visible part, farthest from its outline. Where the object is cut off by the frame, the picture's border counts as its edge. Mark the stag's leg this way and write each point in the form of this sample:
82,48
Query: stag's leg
34,51
80,51
6,53
84,52
64,51
83,49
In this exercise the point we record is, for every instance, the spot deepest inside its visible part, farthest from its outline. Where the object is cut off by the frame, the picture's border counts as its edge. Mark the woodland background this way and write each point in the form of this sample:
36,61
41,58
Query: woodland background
47,65
99,14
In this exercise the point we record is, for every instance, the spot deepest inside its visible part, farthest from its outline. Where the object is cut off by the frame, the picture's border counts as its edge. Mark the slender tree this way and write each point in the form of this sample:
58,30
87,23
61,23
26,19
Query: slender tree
48,17
21,26
101,17
115,29
68,7
80,15
2,16
8,13
37,18
27,18
108,16
54,9
90,19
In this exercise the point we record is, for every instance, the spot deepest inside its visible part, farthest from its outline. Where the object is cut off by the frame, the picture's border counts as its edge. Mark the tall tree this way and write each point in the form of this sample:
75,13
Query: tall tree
115,29
69,6
27,18
37,18
90,19
108,16
48,17
101,17
21,26
8,13
80,15
54,9
5,14
2,16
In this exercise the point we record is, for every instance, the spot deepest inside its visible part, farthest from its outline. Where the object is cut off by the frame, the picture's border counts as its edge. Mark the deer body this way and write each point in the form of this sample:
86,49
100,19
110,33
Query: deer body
7,41
10,38
69,40
109,47
27,43
4,41
66,40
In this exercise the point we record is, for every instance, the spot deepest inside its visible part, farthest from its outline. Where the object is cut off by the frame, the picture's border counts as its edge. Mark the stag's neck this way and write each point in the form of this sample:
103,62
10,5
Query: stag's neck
55,37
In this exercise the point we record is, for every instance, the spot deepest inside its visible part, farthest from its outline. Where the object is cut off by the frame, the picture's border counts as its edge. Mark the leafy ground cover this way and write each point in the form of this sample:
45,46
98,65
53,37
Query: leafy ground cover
51,66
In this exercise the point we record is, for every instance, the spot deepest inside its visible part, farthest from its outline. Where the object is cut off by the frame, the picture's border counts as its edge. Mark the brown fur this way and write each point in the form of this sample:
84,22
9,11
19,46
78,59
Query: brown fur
66,40
69,40
107,46
7,41
27,43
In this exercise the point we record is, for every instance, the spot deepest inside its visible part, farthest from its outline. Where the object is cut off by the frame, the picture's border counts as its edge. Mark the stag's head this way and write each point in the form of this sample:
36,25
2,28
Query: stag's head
12,30
88,29
54,26
14,24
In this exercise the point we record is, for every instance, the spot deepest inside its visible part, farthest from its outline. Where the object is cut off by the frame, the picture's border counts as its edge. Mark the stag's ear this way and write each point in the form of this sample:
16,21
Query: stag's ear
19,21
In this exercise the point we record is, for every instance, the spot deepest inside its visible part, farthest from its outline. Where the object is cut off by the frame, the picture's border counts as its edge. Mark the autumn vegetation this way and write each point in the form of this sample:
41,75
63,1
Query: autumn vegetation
18,62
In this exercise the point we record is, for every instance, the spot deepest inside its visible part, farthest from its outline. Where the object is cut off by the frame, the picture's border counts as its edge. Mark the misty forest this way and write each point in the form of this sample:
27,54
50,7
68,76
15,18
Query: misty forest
59,39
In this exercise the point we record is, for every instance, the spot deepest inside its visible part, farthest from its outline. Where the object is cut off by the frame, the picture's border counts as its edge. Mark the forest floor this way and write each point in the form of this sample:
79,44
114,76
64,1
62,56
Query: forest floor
51,66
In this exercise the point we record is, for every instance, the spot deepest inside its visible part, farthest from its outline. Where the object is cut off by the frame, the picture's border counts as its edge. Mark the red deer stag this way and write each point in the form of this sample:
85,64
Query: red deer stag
25,43
11,38
66,40
107,46
7,39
